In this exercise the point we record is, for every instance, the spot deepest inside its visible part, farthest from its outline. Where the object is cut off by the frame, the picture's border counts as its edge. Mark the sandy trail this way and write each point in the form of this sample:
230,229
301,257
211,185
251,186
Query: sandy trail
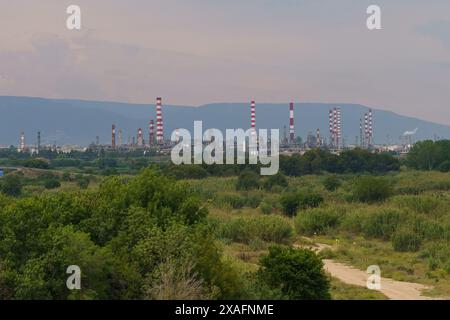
394,290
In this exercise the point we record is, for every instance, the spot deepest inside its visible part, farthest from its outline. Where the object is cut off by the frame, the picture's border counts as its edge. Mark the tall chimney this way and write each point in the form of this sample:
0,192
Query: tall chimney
120,137
291,123
113,136
159,122
151,128
253,117
140,138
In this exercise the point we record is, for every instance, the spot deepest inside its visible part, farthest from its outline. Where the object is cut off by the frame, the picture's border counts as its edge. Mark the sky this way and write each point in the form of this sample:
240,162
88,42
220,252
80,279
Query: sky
193,52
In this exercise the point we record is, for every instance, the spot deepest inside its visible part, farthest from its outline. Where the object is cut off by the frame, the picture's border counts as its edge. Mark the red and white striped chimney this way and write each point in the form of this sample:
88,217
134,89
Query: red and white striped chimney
151,129
253,117
159,122
291,123
140,138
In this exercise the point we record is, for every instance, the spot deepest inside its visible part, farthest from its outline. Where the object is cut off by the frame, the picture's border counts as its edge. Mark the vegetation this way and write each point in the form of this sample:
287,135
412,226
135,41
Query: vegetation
140,228
297,273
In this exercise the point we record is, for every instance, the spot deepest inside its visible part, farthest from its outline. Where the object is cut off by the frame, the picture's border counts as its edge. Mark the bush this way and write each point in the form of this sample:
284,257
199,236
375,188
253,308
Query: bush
420,204
298,273
332,183
11,185
266,228
266,208
36,163
292,202
372,189
382,224
82,181
444,166
276,180
406,241
317,221
247,180
238,202
52,184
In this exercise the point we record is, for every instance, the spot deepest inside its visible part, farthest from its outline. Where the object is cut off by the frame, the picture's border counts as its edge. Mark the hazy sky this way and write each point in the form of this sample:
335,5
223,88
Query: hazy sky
198,51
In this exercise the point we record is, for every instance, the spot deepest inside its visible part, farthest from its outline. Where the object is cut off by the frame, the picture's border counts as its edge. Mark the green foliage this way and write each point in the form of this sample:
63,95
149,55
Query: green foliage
36,163
247,180
350,161
444,166
187,172
266,228
275,180
121,235
372,189
298,274
406,241
332,182
382,224
237,201
316,221
11,185
429,155
52,183
292,202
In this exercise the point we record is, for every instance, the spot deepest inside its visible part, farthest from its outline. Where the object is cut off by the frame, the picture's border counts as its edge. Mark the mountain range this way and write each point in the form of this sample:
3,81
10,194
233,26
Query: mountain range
79,121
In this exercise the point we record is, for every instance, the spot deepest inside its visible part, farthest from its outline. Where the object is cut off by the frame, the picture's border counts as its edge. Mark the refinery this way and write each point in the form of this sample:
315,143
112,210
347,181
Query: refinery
156,140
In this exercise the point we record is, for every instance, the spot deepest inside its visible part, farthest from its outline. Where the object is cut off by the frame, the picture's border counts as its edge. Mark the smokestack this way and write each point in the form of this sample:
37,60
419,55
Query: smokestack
366,130
151,128
120,137
159,122
318,140
339,129
253,117
370,127
140,138
113,136
361,136
22,141
331,124
39,141
291,123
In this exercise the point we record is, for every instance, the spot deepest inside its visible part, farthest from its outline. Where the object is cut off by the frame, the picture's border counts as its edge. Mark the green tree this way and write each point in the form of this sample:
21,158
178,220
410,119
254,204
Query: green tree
298,274
11,185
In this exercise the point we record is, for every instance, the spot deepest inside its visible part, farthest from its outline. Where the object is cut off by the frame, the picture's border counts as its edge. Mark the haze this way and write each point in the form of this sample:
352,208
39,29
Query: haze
193,52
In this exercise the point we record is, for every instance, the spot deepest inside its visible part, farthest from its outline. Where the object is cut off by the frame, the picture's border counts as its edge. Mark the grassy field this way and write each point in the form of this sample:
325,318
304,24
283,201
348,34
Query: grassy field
407,234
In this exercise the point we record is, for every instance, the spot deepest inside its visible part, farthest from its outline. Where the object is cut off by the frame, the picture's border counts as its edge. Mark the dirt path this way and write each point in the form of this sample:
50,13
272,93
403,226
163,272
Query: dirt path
394,290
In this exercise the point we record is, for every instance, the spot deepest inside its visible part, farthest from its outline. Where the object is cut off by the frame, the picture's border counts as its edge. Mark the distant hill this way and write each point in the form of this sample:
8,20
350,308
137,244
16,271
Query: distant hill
79,122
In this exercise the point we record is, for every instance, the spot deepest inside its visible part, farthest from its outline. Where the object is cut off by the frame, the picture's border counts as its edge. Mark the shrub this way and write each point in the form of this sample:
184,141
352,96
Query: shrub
382,224
276,180
298,273
11,185
332,183
316,221
236,201
52,183
420,204
266,228
372,189
266,208
247,180
292,202
406,241
444,166
36,163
